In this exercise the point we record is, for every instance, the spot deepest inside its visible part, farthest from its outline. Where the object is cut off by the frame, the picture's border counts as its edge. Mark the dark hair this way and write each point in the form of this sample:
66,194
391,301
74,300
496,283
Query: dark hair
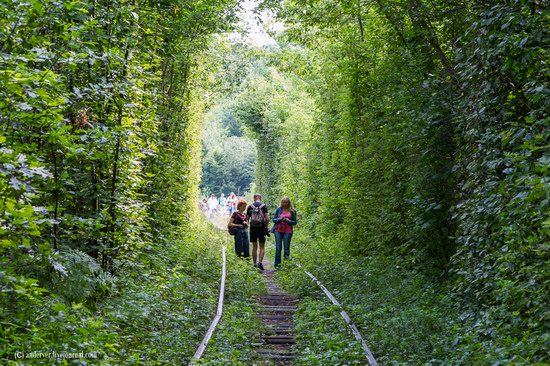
257,195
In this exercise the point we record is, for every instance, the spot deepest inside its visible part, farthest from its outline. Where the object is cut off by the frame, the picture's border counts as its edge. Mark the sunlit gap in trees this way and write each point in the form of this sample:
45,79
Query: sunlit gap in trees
229,152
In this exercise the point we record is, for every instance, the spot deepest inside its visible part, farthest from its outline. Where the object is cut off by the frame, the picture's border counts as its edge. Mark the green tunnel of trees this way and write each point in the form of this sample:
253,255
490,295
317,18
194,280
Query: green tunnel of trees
411,135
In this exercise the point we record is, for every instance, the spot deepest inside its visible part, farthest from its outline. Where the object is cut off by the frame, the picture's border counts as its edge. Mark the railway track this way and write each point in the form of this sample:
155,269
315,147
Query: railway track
277,309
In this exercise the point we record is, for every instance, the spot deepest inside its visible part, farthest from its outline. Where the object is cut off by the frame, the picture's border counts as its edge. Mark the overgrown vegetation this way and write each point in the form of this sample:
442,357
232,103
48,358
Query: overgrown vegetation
239,330
411,135
404,317
427,154
100,163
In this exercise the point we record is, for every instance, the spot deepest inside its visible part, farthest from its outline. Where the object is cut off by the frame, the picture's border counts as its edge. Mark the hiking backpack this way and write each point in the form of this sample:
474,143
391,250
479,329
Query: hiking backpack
257,218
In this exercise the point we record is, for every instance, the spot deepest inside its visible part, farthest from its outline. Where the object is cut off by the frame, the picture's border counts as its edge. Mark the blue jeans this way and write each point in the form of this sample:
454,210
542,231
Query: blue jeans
279,239
242,245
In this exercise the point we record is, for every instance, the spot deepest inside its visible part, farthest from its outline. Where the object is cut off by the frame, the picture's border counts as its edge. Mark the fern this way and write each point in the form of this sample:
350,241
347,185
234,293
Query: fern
80,277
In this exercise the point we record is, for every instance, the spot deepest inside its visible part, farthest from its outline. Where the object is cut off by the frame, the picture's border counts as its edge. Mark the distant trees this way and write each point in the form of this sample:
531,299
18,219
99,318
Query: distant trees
229,167
228,157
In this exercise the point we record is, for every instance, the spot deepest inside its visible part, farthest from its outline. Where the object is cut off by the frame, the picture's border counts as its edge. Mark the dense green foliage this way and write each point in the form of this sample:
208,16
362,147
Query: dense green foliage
411,135
404,317
100,160
427,149
238,332
276,111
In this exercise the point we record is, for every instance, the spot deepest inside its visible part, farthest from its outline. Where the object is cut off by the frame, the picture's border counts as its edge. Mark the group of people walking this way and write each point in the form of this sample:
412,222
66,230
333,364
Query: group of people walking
222,205
254,219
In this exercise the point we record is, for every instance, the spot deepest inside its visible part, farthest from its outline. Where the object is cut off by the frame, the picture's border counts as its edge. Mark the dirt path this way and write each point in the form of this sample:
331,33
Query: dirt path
220,221
277,310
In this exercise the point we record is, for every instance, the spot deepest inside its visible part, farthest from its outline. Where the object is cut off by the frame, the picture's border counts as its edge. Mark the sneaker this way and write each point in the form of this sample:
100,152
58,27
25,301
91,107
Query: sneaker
255,265
261,266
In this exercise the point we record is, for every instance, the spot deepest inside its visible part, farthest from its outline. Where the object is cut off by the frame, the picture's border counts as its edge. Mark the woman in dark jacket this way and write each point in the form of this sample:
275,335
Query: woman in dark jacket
239,222
284,219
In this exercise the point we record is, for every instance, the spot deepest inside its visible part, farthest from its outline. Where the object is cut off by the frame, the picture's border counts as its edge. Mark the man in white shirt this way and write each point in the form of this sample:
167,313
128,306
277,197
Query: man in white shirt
212,205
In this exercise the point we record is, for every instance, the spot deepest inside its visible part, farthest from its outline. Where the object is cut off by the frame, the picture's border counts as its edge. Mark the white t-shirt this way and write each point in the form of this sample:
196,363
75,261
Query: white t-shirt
212,203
